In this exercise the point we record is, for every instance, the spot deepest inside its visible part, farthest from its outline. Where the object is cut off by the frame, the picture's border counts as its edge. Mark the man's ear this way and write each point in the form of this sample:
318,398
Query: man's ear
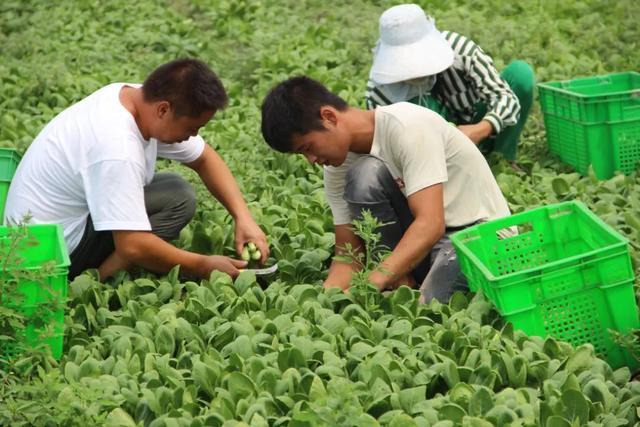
329,115
163,108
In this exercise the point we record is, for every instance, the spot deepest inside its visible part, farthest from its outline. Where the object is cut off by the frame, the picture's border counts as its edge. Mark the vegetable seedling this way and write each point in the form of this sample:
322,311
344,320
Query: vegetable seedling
251,252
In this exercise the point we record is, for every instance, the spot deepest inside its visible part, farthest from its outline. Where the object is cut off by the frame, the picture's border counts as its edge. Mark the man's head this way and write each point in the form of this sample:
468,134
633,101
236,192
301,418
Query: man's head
184,95
410,46
300,115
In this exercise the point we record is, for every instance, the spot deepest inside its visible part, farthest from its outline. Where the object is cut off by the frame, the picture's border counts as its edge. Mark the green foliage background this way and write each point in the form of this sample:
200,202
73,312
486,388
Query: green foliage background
55,53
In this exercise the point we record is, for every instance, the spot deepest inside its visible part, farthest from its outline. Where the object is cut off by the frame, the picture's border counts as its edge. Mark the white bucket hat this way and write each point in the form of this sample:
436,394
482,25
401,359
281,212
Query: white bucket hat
410,46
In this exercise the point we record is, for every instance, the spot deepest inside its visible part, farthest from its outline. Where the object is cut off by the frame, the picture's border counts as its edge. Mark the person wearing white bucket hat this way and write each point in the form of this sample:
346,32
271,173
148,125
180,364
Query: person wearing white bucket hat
404,31
450,74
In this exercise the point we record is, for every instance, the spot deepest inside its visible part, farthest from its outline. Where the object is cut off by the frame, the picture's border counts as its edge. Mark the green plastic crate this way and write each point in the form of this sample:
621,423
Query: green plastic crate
594,121
9,159
48,328
565,274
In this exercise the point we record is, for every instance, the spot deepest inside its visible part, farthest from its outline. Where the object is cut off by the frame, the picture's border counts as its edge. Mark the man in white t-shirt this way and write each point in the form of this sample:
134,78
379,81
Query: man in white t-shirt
413,170
91,169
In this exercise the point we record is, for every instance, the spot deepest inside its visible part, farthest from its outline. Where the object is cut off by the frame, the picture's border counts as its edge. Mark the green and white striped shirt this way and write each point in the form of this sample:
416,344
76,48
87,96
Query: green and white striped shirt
471,79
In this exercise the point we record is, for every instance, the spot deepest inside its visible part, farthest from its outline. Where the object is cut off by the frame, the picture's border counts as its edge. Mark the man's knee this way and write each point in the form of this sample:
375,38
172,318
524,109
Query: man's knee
445,276
173,193
185,198
365,182
180,195
435,288
521,78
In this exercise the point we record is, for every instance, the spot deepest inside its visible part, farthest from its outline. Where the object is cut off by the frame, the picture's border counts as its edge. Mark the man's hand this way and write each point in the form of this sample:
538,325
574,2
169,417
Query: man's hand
222,263
329,285
340,272
380,279
248,231
147,250
407,280
477,132
384,281
223,186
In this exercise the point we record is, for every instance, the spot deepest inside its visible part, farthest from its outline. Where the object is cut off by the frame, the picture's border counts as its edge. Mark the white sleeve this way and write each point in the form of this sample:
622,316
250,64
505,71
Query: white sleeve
114,190
419,152
183,152
334,184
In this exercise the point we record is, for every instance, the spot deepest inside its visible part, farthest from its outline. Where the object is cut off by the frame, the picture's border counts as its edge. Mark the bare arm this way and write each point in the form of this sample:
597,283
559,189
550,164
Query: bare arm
147,250
477,132
424,232
220,182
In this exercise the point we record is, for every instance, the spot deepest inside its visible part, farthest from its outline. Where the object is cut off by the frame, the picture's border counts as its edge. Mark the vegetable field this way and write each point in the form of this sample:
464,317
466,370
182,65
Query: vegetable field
158,351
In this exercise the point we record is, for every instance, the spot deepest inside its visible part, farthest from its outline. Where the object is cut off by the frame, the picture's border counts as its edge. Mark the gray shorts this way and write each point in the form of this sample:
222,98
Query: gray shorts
170,202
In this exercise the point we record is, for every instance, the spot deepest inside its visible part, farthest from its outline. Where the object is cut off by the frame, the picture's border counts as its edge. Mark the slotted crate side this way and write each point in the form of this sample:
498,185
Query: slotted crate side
581,145
594,121
585,317
547,236
612,97
626,146
567,274
532,289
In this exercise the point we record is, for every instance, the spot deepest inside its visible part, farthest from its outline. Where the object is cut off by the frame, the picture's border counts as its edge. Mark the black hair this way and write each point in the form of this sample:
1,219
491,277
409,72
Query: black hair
293,107
189,85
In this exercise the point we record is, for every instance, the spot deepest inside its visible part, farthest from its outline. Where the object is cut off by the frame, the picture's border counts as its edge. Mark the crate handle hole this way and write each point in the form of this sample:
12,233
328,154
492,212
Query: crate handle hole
510,232
560,213
469,239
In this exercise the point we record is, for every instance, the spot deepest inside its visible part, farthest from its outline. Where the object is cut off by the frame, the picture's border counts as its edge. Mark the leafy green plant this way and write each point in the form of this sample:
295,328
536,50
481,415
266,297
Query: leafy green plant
366,259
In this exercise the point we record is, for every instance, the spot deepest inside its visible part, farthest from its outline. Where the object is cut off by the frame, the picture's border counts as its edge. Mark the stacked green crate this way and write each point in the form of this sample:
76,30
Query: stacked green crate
594,121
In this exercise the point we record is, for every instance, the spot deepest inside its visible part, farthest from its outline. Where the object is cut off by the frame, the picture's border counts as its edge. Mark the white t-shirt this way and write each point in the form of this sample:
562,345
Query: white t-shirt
91,159
421,149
